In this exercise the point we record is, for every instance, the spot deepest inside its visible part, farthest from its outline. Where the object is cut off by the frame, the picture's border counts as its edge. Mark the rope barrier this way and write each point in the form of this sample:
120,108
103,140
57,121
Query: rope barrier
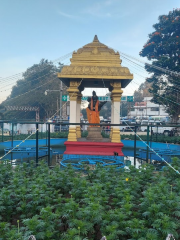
37,129
146,143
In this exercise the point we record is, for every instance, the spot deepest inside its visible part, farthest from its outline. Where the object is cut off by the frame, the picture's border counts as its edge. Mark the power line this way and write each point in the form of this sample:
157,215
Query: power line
147,77
146,143
38,129
153,66
30,81
134,63
32,89
162,96
141,66
20,74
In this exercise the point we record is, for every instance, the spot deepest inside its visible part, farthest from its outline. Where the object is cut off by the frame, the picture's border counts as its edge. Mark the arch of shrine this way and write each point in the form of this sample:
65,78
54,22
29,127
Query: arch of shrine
95,65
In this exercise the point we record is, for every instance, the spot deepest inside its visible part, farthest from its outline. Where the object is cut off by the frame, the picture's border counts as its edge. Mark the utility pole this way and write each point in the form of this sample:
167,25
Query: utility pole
57,104
60,100
121,109
60,104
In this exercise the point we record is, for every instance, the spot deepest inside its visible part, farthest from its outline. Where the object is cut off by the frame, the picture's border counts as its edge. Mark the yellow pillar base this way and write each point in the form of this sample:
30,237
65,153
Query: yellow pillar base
78,131
115,137
72,136
110,135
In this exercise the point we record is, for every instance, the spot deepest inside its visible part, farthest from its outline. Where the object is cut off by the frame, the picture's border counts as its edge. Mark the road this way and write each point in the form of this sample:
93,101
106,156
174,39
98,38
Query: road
128,133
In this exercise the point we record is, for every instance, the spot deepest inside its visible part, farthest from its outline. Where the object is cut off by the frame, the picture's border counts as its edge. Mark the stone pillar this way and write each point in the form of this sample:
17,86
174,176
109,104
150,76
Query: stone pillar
112,116
116,98
73,93
78,120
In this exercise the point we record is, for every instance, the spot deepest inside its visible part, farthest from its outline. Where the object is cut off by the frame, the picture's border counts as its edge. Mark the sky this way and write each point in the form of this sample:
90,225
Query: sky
36,29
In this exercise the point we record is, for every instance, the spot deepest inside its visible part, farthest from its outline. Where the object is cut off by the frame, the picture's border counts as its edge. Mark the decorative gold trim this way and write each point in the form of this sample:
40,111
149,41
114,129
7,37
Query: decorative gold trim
116,92
79,96
95,61
72,136
73,90
74,84
110,135
78,131
116,135
70,71
128,77
72,96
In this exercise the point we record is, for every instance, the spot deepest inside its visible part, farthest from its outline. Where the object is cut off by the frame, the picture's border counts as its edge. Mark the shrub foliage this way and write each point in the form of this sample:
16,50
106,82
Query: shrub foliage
64,204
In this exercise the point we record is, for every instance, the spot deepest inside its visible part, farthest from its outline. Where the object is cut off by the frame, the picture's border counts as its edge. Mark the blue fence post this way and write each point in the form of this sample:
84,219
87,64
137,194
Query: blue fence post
151,144
46,134
12,139
37,143
2,131
135,145
49,144
147,150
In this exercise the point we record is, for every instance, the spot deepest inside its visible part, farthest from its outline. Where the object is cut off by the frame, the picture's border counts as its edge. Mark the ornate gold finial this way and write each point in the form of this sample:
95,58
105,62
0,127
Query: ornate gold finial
95,39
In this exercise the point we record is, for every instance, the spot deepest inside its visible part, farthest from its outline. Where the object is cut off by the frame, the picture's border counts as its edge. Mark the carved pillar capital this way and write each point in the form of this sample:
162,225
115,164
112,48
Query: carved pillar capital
73,90
116,92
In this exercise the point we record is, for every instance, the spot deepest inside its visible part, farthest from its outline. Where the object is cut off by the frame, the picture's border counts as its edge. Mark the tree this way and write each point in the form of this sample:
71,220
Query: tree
163,48
142,92
138,96
35,81
106,110
2,110
124,109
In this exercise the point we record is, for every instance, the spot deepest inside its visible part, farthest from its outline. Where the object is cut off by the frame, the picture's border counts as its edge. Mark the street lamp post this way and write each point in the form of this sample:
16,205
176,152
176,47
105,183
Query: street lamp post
60,100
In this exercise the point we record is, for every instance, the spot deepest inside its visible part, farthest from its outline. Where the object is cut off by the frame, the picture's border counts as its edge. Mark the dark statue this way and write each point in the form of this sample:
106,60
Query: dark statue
94,108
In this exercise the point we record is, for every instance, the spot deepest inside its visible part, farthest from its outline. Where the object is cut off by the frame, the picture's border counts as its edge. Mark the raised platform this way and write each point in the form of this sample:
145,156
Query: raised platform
94,134
94,148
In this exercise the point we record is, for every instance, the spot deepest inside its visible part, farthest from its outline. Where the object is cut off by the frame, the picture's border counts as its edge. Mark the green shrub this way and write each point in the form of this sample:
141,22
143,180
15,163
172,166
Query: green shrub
84,134
64,134
154,138
65,204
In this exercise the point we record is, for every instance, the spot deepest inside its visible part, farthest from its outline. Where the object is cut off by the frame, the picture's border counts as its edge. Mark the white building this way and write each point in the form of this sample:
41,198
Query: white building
26,128
147,109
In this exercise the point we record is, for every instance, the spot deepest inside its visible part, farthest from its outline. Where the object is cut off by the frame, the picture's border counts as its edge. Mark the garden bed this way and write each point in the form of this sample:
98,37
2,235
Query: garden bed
64,204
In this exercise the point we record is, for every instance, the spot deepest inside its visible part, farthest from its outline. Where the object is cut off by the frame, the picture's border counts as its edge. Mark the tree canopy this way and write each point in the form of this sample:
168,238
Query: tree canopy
29,91
163,49
142,92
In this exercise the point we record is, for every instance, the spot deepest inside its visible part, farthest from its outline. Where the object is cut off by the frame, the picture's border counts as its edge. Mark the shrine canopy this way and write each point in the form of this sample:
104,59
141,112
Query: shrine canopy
98,65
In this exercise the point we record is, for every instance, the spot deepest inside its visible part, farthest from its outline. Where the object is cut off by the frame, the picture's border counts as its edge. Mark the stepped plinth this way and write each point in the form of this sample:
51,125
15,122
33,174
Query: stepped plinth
94,134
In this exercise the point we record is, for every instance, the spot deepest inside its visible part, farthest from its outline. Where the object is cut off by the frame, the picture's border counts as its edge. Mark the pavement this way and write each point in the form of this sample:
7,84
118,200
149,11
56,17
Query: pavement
128,133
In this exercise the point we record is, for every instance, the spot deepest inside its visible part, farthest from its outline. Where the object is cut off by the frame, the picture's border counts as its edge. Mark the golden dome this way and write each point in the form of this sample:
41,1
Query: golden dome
96,53
96,61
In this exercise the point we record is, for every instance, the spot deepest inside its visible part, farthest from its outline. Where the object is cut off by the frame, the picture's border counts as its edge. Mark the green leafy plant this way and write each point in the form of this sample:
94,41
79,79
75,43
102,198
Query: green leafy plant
64,204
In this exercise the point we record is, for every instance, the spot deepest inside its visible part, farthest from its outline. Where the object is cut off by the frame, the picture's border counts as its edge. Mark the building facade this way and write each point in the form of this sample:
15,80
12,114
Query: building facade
147,109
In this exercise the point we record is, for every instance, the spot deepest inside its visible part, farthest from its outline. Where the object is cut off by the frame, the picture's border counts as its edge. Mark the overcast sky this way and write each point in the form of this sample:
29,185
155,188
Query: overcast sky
36,29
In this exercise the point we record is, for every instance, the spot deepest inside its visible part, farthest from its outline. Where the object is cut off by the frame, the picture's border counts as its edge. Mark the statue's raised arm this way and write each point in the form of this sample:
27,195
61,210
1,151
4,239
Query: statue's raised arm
101,104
